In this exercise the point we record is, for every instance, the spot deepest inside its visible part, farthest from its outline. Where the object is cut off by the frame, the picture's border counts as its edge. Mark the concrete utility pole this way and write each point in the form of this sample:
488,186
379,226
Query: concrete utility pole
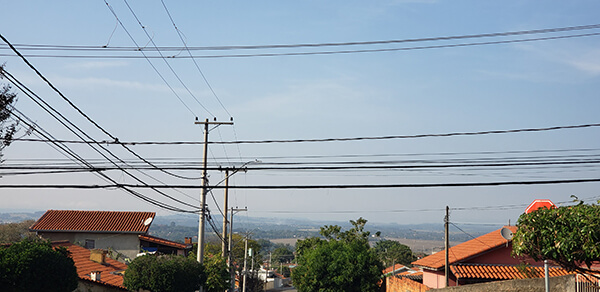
224,243
447,244
206,123
230,259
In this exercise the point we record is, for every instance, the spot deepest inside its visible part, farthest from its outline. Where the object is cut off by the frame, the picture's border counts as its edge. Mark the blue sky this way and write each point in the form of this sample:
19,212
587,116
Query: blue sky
464,89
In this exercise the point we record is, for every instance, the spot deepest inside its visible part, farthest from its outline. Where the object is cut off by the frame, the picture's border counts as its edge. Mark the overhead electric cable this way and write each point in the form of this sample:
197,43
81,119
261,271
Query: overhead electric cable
302,45
490,132
281,187
115,139
165,60
69,125
314,53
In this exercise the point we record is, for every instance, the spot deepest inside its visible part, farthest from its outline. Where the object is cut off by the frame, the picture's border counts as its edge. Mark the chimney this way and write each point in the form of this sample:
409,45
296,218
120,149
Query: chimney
98,256
95,275
188,240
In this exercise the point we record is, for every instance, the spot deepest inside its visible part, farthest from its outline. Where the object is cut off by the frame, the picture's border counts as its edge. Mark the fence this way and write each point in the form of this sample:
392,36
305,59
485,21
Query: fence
587,284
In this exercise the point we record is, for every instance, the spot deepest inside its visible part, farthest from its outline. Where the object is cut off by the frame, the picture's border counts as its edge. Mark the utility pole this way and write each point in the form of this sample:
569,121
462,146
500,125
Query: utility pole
206,123
224,243
447,244
230,259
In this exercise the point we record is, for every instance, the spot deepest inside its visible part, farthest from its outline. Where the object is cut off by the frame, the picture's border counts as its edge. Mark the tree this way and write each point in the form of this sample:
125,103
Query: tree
34,265
284,253
217,274
164,274
343,261
14,232
569,236
393,252
7,101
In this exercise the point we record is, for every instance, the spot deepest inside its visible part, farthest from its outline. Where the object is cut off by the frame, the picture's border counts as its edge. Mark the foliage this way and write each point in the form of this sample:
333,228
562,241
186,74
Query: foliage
343,261
164,274
282,254
34,265
217,274
7,101
569,236
393,252
13,232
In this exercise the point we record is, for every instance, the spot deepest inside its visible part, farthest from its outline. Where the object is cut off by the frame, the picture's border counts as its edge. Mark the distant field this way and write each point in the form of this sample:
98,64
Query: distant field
416,245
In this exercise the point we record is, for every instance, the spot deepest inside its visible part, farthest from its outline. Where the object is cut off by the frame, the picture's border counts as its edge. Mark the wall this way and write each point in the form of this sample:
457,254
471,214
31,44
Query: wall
437,279
126,243
87,286
502,256
395,284
564,283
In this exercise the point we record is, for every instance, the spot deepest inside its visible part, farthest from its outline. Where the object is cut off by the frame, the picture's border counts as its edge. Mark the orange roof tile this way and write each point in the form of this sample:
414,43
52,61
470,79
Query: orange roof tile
393,268
503,272
465,250
81,257
94,221
164,241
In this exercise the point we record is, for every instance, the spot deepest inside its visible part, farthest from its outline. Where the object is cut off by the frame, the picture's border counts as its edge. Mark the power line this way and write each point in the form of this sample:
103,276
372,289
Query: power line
304,45
314,53
392,137
280,187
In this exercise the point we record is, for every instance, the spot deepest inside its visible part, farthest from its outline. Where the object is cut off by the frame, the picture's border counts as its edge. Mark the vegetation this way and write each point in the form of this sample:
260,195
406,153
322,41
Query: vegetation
343,261
7,127
34,265
164,274
13,232
569,236
392,252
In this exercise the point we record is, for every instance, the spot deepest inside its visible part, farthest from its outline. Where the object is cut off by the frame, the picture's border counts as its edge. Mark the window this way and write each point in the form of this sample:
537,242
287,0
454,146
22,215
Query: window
90,244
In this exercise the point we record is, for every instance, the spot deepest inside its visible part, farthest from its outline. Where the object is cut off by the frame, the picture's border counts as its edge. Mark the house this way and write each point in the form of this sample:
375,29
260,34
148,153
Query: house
402,278
96,271
482,259
120,232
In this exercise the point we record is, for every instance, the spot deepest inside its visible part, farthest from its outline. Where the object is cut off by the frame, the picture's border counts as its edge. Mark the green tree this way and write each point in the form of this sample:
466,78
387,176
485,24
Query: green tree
8,127
343,261
13,232
569,236
282,254
34,265
166,273
393,252
217,274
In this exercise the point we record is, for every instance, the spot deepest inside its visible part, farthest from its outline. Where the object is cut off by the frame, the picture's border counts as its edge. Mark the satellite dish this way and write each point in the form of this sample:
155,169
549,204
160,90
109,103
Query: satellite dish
148,221
506,233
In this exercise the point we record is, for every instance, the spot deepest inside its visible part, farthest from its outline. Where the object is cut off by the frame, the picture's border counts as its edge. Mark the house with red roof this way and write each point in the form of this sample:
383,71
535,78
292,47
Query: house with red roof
121,232
483,259
96,271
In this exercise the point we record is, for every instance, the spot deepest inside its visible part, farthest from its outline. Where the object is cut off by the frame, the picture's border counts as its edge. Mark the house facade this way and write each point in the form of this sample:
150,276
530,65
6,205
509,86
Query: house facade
483,259
123,233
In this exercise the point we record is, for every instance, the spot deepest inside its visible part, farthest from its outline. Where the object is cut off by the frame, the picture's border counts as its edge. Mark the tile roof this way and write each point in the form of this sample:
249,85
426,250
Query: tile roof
81,257
394,268
503,272
465,250
94,221
162,241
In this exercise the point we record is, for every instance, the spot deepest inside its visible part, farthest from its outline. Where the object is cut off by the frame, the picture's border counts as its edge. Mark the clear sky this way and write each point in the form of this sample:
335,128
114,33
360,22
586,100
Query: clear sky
503,86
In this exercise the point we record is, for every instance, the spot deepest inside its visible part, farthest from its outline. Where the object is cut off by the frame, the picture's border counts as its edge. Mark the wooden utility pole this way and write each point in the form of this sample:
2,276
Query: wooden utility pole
447,245
206,123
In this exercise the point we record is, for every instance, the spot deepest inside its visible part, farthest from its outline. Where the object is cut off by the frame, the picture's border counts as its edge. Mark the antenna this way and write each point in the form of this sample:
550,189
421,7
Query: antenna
506,233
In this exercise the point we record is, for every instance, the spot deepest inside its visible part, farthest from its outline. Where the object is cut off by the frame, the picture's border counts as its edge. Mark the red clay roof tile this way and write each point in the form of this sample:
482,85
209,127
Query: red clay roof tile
465,250
502,272
94,221
164,241
81,257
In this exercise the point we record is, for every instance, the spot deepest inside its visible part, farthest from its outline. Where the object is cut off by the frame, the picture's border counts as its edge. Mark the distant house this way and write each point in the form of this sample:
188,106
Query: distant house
96,271
116,231
483,259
